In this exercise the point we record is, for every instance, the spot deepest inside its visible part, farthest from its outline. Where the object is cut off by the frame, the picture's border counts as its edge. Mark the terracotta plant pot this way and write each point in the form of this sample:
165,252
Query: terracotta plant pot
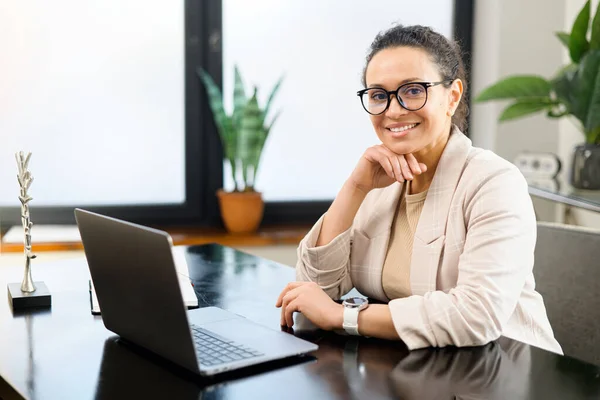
242,212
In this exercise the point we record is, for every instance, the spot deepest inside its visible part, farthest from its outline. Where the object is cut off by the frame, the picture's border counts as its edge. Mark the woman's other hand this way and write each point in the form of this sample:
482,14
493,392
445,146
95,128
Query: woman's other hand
379,167
309,299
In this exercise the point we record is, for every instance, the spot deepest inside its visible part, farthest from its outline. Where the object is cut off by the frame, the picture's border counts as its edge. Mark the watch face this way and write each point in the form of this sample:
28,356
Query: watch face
355,302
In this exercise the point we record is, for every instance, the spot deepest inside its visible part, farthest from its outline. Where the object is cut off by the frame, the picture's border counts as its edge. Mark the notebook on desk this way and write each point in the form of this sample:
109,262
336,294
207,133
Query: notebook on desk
187,290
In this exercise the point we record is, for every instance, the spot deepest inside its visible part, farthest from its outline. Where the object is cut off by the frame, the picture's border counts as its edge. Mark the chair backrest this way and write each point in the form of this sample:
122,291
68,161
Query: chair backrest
567,274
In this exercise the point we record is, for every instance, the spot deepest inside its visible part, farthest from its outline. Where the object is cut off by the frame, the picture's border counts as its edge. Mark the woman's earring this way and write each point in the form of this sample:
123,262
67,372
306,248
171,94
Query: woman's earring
450,113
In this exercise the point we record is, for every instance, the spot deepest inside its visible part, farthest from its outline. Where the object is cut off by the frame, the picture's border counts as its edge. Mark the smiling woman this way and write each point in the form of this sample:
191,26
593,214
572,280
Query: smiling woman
441,231
418,121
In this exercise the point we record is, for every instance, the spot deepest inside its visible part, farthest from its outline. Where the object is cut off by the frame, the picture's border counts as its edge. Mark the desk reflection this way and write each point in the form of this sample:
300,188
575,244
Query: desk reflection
130,372
347,367
376,369
499,370
125,374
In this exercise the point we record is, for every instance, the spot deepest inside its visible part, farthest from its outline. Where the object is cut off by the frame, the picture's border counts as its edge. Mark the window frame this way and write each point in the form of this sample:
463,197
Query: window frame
203,152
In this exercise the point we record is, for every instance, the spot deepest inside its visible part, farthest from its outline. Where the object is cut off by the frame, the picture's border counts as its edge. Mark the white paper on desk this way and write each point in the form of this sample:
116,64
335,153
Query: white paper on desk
44,234
187,290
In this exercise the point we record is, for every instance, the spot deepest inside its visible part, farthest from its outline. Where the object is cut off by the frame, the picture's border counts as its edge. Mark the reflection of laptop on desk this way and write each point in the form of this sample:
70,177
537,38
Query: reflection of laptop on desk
136,282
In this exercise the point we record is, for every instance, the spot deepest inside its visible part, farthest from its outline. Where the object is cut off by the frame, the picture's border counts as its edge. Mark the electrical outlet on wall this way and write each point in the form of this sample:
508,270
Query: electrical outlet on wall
538,165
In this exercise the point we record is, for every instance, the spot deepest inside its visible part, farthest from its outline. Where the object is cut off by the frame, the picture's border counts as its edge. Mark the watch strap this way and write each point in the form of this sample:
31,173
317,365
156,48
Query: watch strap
350,324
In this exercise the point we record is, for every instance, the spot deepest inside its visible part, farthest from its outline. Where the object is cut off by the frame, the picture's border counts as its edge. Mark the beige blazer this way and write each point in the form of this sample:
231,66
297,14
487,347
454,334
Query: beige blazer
471,268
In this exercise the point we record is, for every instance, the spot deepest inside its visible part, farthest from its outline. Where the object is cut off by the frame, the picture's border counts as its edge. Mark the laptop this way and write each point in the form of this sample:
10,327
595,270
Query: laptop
135,278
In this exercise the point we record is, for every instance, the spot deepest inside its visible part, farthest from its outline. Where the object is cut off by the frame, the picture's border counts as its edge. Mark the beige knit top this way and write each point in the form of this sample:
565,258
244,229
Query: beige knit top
396,268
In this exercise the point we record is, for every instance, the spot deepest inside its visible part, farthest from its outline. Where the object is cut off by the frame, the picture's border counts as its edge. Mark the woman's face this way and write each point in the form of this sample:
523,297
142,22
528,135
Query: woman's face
404,131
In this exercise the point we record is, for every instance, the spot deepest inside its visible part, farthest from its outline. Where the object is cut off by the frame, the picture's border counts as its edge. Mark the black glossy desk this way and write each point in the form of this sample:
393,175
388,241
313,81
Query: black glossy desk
66,353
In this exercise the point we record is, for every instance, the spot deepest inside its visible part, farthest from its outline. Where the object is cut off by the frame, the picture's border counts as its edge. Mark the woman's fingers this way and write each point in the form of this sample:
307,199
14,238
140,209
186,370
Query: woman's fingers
285,302
288,287
386,165
399,167
408,164
408,175
413,164
289,312
283,311
394,161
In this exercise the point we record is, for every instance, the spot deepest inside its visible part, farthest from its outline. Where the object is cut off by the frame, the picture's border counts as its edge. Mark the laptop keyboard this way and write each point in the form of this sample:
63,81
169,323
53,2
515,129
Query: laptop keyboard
213,349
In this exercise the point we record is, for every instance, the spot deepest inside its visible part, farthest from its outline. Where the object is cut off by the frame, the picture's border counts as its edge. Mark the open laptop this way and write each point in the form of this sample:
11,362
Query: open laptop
136,282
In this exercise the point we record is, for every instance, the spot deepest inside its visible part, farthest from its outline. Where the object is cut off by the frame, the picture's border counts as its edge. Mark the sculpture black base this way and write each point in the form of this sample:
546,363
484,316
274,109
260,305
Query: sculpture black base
19,300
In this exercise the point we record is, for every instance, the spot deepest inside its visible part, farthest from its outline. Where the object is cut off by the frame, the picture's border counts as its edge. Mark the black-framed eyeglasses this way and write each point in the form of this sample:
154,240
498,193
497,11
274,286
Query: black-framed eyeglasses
412,96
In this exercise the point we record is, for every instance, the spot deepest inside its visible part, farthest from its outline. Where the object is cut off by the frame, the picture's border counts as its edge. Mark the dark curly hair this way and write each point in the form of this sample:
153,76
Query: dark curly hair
445,53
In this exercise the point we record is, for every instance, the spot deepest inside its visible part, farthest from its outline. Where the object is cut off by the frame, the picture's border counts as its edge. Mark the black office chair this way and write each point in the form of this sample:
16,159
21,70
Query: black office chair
567,274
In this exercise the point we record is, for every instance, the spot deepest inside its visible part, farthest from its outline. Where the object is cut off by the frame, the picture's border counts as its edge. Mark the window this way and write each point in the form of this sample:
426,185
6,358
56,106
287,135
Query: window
107,99
105,96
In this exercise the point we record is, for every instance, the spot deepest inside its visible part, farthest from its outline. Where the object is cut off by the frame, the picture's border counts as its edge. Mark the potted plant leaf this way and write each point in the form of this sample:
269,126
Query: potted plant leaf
574,92
243,134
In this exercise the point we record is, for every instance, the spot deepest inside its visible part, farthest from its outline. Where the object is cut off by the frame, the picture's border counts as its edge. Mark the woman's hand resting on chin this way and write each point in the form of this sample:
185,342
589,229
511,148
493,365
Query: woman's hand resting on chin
379,167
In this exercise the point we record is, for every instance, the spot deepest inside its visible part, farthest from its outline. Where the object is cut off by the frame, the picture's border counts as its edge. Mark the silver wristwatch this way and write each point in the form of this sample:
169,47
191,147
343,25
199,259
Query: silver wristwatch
352,307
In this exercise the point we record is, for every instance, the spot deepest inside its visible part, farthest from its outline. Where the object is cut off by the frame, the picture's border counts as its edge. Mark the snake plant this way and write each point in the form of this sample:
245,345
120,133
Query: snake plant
244,132
573,91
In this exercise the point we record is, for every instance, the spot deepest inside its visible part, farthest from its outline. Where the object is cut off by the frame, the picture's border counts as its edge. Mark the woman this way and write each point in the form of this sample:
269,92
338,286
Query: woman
441,231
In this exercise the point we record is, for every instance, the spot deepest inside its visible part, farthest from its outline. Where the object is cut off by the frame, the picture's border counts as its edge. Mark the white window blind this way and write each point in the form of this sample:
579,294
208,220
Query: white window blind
95,90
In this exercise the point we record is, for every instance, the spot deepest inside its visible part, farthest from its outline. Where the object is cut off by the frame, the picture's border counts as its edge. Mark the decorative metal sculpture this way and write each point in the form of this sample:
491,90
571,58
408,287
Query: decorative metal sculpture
28,293
25,179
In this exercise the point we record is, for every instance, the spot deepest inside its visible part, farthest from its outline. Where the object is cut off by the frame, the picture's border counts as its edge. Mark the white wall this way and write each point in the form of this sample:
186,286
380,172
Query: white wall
485,71
511,37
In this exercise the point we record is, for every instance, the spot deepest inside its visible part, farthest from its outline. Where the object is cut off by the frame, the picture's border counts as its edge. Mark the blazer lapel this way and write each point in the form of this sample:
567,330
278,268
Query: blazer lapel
381,218
431,228
378,229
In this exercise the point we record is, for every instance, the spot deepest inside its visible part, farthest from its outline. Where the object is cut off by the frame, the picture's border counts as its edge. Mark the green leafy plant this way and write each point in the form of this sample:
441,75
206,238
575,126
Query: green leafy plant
573,91
243,133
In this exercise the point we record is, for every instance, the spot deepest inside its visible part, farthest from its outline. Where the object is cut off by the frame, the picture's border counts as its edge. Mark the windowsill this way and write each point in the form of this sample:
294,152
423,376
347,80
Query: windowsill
265,236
